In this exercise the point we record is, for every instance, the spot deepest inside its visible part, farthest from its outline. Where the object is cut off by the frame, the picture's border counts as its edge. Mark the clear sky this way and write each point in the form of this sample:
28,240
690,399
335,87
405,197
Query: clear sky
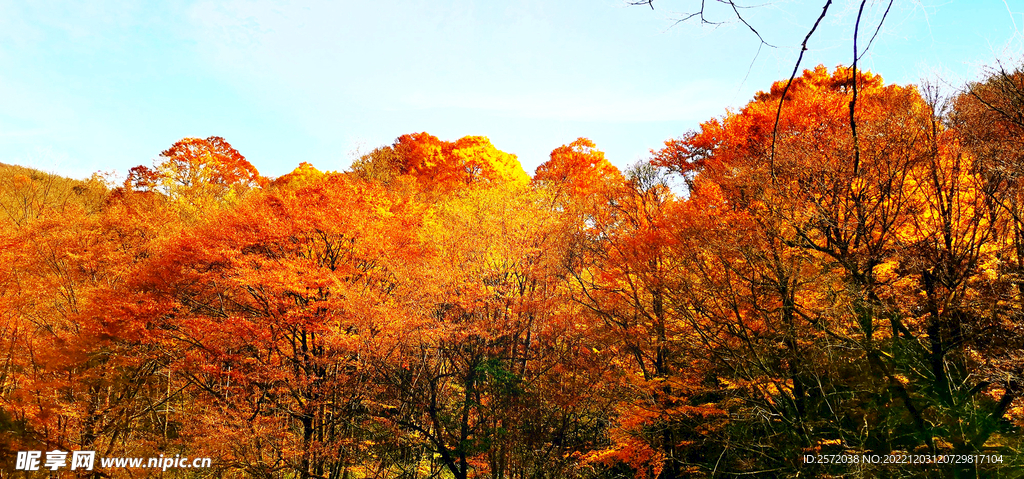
106,85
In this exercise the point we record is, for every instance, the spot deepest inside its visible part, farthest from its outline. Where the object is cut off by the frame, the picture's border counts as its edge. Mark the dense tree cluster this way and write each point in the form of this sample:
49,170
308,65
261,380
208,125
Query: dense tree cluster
754,293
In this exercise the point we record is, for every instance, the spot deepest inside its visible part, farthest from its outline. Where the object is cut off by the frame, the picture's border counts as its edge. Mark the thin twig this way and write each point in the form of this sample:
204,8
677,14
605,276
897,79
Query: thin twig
648,2
796,68
877,29
740,17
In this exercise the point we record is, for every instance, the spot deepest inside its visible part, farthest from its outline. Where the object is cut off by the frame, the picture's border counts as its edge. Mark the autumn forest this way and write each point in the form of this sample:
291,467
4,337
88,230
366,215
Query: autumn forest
803,276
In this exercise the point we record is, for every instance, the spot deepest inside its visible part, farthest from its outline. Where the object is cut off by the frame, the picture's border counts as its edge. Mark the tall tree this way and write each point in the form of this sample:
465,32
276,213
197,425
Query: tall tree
198,174
442,165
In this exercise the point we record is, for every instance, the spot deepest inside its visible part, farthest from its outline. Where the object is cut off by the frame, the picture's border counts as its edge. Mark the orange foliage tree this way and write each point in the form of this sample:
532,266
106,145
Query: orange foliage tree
830,279
579,169
271,312
73,377
442,165
198,174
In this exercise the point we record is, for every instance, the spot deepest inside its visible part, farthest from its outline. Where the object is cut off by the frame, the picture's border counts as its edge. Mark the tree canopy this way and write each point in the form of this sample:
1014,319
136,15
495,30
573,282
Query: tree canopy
812,291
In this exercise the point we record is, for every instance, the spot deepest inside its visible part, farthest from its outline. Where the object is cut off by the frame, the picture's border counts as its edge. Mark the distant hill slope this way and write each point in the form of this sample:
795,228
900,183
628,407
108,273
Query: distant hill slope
27,193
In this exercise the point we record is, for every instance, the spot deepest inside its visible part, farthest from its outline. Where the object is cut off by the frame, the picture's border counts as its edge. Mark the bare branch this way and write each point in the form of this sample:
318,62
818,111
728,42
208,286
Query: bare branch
740,17
877,29
648,2
701,13
853,101
796,68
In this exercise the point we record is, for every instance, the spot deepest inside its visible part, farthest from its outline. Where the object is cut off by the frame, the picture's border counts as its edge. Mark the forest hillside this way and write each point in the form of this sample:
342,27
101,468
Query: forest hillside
802,279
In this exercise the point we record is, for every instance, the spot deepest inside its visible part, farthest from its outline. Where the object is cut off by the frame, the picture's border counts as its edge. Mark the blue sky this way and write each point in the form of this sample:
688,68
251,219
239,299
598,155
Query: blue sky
106,85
